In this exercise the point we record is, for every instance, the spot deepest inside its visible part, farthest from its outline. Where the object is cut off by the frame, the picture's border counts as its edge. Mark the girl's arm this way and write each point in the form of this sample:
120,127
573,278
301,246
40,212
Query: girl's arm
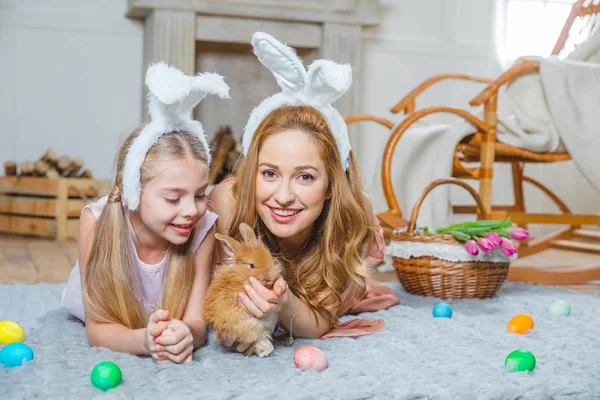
194,310
114,336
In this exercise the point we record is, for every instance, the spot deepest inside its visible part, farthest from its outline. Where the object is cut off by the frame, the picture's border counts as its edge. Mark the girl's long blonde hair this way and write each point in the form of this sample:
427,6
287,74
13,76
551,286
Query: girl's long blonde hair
109,287
333,259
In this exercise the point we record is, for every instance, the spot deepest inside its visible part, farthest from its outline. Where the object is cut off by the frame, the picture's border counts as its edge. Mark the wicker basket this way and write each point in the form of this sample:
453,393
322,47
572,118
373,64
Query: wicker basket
431,276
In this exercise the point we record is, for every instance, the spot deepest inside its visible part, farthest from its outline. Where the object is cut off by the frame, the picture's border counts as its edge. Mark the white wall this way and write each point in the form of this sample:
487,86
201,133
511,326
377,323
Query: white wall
70,78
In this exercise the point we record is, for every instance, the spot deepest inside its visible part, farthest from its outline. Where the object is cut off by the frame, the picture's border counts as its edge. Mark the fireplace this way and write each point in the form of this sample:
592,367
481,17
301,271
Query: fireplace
214,35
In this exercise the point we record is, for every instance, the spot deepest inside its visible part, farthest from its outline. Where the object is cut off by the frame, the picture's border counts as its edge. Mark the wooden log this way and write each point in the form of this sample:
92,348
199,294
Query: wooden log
40,168
73,168
52,173
227,143
221,145
86,174
62,164
26,168
10,168
49,156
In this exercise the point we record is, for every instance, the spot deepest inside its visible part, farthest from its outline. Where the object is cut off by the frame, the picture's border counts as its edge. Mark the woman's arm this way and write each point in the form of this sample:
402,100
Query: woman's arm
303,324
293,313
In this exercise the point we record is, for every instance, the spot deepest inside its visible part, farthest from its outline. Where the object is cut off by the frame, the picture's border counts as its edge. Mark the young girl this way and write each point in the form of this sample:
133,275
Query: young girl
299,187
144,253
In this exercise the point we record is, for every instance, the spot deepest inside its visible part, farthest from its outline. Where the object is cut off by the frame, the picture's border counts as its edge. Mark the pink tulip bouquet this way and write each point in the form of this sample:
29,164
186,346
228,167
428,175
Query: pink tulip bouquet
485,235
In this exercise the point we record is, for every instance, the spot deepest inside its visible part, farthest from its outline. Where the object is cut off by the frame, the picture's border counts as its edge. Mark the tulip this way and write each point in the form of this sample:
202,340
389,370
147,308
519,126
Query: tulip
485,245
494,238
508,247
519,234
471,247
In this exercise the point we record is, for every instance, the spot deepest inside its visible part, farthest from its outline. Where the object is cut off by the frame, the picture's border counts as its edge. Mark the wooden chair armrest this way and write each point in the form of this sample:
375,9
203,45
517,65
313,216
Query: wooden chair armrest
367,117
398,132
407,104
512,73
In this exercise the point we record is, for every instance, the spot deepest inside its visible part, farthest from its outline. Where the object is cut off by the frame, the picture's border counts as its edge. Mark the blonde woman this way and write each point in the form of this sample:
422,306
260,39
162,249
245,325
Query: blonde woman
299,187
145,250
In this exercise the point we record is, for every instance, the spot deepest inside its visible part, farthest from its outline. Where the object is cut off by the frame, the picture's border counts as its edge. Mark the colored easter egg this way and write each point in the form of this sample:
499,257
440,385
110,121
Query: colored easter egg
520,324
442,310
15,354
559,308
520,360
11,332
106,375
309,357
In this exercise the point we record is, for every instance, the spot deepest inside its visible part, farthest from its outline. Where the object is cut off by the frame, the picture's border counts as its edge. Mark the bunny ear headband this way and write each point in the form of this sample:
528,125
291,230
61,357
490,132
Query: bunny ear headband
171,98
323,83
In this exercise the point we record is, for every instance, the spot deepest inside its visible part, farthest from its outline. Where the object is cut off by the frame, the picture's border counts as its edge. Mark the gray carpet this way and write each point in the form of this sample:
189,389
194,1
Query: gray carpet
415,357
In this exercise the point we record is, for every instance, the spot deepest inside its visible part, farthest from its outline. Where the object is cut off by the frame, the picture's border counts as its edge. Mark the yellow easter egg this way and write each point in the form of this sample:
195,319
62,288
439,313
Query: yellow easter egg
11,332
520,324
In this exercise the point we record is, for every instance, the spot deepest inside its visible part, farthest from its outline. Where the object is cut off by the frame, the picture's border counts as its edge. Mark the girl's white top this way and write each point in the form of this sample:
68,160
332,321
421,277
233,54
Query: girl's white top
148,278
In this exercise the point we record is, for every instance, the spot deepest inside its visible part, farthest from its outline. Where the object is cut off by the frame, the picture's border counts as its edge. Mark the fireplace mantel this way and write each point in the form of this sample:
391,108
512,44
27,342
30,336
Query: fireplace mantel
356,12
331,28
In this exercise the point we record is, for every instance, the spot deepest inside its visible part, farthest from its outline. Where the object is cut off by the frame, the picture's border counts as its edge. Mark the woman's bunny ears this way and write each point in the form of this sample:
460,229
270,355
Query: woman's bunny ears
323,83
171,97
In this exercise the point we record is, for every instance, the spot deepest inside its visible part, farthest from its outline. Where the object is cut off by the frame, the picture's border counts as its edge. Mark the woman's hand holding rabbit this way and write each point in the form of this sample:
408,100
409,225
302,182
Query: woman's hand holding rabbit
259,301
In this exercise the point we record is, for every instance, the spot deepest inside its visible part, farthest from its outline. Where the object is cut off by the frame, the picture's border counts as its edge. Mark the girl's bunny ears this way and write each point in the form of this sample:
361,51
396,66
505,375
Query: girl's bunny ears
324,83
171,98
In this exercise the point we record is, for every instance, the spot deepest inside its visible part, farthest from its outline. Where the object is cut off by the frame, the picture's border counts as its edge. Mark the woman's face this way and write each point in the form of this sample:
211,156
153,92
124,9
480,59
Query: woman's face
291,185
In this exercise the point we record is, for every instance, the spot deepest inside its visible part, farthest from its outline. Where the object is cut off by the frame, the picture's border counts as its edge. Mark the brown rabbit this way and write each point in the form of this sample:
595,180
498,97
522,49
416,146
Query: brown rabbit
222,311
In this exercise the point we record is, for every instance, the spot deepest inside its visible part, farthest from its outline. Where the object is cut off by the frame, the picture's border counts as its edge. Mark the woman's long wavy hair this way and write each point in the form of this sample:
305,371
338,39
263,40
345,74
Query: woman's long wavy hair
109,288
332,261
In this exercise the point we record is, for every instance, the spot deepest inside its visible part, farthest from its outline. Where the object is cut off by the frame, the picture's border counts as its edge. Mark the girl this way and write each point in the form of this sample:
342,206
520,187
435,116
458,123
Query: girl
144,253
299,187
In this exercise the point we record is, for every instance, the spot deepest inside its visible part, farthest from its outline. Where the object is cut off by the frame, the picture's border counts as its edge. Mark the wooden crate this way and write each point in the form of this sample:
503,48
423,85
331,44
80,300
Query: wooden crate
43,207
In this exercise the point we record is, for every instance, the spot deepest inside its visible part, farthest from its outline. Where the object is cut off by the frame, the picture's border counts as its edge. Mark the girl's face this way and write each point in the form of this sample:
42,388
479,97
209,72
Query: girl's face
291,185
173,201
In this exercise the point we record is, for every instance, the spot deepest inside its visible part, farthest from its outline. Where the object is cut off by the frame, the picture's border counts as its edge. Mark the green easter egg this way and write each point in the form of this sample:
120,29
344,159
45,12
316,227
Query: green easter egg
559,308
106,375
520,360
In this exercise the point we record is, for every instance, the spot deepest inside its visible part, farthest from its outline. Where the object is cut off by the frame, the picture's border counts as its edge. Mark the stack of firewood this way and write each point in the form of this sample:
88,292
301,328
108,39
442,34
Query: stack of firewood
225,156
49,166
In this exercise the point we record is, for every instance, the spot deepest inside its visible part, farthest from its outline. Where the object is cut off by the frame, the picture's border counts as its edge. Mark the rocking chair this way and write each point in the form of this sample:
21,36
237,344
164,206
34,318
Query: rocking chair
483,148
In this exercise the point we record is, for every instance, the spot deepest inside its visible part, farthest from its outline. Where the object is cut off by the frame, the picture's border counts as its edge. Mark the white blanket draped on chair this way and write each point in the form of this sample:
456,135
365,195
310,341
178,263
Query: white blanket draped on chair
553,111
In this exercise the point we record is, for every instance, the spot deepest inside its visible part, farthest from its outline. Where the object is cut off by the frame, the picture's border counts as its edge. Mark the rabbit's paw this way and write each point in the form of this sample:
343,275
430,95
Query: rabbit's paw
263,348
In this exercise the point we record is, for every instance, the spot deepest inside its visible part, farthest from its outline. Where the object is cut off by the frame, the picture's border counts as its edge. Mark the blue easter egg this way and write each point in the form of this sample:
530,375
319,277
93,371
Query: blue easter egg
442,310
12,355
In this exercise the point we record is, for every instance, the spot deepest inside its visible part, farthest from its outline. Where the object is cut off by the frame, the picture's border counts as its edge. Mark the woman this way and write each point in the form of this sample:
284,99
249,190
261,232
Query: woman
299,188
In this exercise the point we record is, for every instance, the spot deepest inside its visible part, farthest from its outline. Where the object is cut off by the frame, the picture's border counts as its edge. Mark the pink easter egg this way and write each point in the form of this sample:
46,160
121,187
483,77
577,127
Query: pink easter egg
310,357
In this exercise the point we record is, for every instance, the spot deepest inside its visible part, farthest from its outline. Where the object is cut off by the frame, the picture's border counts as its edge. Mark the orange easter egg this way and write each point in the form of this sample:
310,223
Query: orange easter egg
520,324
310,357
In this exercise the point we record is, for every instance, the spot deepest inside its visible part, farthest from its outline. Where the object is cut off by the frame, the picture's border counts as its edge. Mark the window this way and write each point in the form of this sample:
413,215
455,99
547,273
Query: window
533,26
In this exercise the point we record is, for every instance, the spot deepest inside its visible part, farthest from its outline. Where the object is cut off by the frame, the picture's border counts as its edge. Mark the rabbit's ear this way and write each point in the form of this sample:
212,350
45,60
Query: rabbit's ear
281,60
230,245
248,235
328,81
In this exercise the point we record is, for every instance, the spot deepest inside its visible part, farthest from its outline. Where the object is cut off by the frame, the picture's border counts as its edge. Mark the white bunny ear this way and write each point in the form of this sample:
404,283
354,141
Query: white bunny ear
328,81
281,60
173,95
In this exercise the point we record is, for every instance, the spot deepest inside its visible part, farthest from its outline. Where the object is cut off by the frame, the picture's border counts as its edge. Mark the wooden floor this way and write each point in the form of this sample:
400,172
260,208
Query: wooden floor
30,260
